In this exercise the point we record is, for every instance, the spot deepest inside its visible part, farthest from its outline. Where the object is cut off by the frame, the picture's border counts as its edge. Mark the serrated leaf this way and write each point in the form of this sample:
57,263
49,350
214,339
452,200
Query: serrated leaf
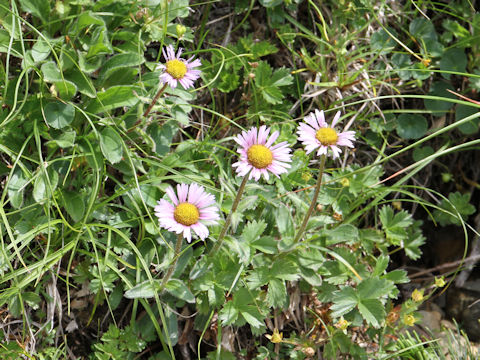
111,145
344,301
372,311
381,265
266,244
252,316
374,288
253,230
277,294
397,276
228,314
268,82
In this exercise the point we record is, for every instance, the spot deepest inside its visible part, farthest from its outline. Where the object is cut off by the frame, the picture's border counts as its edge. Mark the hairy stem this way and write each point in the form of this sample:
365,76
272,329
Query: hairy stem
178,248
229,217
314,199
150,107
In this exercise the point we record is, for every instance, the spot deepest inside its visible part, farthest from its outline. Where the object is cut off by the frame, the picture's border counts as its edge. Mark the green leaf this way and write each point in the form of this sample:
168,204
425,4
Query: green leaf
162,136
99,42
439,107
178,289
374,288
395,224
50,72
421,153
117,62
143,290
82,82
344,233
111,145
41,189
268,82
74,204
458,202
229,314
38,8
277,294
40,50
266,244
270,3
422,29
454,59
283,216
463,111
397,276
253,230
381,265
411,126
66,89
372,311
252,316
344,301
59,115
65,139
114,97
381,41
16,188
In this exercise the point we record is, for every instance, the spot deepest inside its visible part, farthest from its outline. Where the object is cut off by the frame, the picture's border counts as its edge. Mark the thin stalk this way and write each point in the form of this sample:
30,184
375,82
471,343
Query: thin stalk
314,200
178,248
150,107
229,217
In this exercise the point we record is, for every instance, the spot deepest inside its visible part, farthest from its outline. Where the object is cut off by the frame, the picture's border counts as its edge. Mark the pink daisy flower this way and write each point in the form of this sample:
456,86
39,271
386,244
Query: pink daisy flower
193,209
258,156
177,70
317,134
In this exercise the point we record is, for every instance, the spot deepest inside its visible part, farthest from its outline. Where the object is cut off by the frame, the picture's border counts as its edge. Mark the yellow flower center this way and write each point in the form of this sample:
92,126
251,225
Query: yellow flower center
186,214
327,136
259,156
176,68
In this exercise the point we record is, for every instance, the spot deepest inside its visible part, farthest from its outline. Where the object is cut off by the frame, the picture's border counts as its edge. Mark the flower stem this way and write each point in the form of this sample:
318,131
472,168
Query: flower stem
178,248
150,107
314,199
228,220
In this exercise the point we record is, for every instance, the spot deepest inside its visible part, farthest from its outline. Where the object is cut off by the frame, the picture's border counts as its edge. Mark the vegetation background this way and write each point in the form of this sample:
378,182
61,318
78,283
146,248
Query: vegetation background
82,255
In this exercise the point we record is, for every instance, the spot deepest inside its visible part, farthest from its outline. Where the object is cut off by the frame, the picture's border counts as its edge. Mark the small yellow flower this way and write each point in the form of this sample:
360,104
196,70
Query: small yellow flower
440,282
417,295
276,337
342,324
409,319
345,182
181,30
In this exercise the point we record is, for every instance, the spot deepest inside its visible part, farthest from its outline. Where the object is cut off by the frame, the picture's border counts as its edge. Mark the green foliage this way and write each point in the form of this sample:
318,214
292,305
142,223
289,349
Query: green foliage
82,170
455,210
